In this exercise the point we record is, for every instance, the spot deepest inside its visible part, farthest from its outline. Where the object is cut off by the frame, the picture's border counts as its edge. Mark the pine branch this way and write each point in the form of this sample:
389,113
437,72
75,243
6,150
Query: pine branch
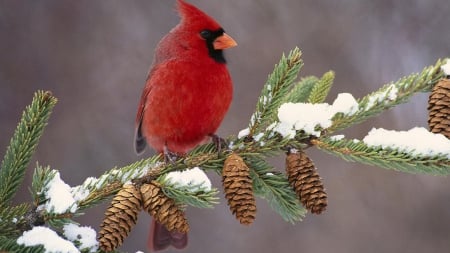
23,144
41,178
320,91
111,181
358,151
389,96
302,90
276,88
193,195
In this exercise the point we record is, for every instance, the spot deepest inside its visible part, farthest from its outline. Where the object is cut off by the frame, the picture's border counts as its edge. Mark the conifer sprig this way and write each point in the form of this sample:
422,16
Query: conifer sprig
389,96
23,144
389,158
12,218
193,195
279,83
301,91
321,89
8,244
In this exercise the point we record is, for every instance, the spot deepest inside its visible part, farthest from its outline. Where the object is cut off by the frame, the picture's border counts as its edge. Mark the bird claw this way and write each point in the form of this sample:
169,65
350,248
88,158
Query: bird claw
169,156
219,142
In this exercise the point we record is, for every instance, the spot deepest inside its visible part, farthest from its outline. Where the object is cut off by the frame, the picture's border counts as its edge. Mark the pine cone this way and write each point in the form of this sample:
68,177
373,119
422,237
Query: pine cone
238,188
163,209
306,182
120,217
439,108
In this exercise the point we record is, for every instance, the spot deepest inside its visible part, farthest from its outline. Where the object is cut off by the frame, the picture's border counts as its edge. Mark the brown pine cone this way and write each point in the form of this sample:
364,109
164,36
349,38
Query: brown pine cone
120,217
163,209
238,188
306,182
439,108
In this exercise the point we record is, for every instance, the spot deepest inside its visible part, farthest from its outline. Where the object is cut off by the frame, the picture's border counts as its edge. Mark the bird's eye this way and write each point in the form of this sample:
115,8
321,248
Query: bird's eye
206,34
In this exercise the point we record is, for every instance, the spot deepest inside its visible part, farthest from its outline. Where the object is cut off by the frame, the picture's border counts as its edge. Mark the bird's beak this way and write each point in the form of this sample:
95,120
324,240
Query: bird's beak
223,42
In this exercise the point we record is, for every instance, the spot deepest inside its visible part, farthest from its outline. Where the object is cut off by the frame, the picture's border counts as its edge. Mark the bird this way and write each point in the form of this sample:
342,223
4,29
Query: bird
186,96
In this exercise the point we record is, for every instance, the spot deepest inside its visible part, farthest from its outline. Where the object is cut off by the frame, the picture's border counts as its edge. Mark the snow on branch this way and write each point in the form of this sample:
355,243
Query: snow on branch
415,151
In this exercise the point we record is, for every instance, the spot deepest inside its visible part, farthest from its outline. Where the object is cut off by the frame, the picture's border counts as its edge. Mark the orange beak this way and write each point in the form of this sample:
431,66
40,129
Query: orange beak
223,42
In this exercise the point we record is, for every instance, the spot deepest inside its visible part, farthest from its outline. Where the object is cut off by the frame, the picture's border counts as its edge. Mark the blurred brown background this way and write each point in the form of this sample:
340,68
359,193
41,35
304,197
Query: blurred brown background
94,56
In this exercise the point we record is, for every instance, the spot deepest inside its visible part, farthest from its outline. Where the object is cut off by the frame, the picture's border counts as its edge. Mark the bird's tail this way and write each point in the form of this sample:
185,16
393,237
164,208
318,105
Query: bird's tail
160,238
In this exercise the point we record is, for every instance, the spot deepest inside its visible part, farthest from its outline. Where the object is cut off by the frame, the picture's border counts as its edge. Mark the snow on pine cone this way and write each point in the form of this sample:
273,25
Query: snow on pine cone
439,108
163,209
305,180
120,217
238,188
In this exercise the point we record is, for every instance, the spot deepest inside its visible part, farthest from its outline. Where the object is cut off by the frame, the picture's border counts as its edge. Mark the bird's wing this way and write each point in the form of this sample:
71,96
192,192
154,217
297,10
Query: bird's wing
139,139
172,65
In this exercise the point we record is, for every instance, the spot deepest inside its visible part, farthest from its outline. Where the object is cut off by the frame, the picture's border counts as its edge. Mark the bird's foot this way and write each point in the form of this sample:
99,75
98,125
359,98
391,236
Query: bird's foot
219,142
169,156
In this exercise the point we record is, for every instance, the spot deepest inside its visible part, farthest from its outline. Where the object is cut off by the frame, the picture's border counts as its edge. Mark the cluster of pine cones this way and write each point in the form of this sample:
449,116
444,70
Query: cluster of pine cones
121,215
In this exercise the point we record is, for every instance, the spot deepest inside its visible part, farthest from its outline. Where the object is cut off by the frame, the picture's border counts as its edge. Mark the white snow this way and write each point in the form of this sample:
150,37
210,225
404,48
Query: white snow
190,177
140,172
59,196
389,94
90,180
303,116
79,193
48,238
82,191
446,67
293,150
258,137
306,116
243,133
86,236
346,104
285,129
417,141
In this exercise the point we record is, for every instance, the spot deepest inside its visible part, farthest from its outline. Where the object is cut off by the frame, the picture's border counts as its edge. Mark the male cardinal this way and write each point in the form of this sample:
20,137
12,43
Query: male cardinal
186,95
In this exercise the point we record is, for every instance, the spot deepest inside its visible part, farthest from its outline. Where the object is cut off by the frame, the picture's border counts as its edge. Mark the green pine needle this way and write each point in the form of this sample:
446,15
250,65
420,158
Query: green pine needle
12,218
24,143
320,91
41,177
10,245
301,90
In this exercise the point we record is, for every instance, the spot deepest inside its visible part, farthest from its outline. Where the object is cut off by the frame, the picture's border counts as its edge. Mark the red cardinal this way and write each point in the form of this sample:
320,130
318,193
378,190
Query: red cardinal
187,93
